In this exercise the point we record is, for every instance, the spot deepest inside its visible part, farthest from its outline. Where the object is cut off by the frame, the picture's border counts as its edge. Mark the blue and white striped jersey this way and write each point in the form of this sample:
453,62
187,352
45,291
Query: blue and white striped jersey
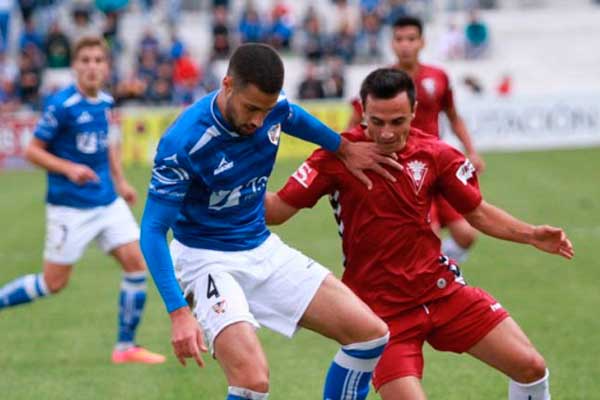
76,128
219,178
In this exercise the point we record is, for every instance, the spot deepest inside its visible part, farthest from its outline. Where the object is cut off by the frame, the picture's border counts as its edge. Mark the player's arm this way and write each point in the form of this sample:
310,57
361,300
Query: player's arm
169,184
460,130
277,211
357,157
459,185
116,170
47,129
496,222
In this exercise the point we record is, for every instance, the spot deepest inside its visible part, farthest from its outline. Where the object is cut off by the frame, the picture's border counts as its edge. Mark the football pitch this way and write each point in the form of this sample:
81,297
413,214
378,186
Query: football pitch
59,348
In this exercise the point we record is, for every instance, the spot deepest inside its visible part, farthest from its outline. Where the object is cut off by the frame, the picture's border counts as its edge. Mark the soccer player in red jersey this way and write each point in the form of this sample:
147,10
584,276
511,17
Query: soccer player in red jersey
393,259
434,96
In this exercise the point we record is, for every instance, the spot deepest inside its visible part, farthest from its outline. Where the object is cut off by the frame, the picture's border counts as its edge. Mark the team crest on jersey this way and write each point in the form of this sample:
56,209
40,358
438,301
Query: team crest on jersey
219,307
274,133
417,171
465,172
429,86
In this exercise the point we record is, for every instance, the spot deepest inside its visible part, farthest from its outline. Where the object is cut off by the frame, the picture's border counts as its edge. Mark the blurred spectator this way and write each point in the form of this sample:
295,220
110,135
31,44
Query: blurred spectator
505,87
57,48
370,6
129,89
110,32
149,42
282,27
251,28
6,7
335,82
111,6
30,36
27,8
311,87
397,9
347,17
29,80
367,43
220,31
315,42
343,44
8,69
160,91
210,80
82,24
221,3
452,43
147,69
8,98
477,40
177,46
186,76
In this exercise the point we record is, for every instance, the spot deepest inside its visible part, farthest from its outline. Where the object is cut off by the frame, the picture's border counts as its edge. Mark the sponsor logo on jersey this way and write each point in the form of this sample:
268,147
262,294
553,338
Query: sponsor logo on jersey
274,133
85,117
305,175
429,86
224,165
221,199
417,171
465,172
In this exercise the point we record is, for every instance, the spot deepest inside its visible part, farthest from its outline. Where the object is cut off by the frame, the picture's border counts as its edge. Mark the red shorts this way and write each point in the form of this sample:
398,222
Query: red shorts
453,323
442,213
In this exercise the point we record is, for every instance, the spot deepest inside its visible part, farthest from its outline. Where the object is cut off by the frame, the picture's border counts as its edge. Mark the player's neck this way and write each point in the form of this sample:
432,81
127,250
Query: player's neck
90,93
410,68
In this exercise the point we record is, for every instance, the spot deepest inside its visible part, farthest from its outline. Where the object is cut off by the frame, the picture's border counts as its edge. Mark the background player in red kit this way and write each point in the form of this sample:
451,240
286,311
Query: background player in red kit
392,256
434,96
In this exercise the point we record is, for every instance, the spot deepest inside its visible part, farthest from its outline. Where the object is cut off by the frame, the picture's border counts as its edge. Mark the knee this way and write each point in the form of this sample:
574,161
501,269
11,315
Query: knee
134,264
379,330
533,369
250,376
56,284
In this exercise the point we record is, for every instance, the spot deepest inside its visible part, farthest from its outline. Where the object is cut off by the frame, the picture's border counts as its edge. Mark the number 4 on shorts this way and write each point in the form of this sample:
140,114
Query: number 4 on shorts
212,288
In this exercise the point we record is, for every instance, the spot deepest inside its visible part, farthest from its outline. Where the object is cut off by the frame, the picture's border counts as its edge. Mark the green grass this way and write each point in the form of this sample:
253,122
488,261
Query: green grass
59,348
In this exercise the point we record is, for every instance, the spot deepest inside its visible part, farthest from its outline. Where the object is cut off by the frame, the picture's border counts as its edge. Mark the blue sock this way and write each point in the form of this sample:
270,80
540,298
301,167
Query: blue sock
131,305
237,393
350,373
23,290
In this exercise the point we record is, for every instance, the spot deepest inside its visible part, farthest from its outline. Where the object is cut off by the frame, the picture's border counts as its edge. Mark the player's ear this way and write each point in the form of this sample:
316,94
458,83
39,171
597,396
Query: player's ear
227,84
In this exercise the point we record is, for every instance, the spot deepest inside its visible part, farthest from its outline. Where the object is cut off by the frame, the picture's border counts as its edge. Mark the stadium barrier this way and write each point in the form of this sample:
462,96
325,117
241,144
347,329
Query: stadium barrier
511,124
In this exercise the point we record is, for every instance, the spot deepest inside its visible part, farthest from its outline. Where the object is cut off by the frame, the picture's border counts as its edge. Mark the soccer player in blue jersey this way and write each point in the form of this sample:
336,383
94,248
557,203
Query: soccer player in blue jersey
86,198
208,185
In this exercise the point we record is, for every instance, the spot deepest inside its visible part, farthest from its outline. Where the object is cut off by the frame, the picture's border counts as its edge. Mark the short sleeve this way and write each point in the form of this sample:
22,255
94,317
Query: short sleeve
49,124
458,180
312,180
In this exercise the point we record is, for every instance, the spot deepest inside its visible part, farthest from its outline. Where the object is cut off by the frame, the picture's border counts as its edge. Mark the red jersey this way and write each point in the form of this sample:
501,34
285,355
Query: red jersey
392,257
434,95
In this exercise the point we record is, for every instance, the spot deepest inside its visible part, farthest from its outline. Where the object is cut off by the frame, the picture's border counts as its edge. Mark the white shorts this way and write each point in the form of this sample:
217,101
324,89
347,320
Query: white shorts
69,230
271,285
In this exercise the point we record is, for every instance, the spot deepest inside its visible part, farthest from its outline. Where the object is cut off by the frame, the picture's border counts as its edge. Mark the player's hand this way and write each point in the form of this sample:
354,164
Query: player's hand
552,240
477,162
186,336
127,192
362,156
81,174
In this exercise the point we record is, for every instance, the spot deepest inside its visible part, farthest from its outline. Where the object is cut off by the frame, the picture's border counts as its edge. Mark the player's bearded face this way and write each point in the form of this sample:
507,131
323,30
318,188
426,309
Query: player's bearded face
247,107
388,121
407,43
91,68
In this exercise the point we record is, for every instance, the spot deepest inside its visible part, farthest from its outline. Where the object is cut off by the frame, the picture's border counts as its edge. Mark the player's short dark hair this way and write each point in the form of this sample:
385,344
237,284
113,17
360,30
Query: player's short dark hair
387,83
408,20
89,41
257,64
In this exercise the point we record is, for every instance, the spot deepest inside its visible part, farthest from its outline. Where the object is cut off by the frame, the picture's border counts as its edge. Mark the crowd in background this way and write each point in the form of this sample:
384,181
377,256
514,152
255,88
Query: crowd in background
167,73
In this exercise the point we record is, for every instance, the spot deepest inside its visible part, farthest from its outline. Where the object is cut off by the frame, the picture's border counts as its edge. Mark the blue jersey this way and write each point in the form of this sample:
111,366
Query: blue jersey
76,128
218,176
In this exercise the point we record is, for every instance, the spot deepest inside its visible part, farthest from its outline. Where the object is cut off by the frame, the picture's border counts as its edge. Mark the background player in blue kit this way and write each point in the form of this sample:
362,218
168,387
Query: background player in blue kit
85,198
208,184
